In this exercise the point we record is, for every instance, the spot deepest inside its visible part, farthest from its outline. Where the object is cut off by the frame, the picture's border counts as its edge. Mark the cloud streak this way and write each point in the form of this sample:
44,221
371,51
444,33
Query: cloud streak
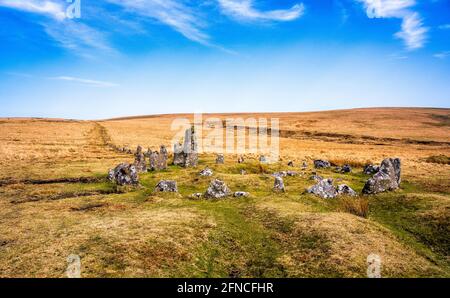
49,8
175,14
244,10
413,32
87,82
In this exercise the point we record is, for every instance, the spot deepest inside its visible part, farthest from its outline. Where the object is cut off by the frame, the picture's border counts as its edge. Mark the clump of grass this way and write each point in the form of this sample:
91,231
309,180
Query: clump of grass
440,159
355,206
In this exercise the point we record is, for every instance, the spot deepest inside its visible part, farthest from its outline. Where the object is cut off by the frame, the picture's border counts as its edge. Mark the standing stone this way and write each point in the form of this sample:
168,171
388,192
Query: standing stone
186,155
163,156
166,186
388,177
124,174
278,184
304,165
321,164
217,190
154,161
262,159
178,155
220,159
243,172
324,189
290,163
241,159
139,161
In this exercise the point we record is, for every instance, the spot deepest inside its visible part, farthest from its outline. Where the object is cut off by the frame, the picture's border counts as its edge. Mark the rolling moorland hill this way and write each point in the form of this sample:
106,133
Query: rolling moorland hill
55,200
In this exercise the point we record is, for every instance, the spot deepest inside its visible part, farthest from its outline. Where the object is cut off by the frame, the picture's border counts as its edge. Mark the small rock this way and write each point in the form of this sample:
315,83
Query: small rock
346,169
344,189
196,195
371,169
217,190
167,186
324,189
243,172
304,165
278,184
291,173
206,172
321,164
290,163
241,159
240,194
262,159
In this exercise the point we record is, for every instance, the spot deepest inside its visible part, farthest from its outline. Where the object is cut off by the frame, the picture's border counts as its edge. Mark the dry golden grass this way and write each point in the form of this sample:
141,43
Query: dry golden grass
139,233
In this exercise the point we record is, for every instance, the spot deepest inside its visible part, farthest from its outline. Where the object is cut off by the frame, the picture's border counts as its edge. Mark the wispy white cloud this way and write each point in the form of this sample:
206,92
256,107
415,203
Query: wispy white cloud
79,38
50,8
73,35
442,55
176,14
245,10
413,32
444,27
87,82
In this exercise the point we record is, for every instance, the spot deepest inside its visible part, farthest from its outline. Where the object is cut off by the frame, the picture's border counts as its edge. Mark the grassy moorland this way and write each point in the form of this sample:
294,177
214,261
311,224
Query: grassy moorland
55,201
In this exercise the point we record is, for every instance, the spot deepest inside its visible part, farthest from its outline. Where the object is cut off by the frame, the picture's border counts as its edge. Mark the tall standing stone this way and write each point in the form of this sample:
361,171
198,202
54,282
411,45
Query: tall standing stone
278,184
187,154
154,161
140,162
163,156
220,159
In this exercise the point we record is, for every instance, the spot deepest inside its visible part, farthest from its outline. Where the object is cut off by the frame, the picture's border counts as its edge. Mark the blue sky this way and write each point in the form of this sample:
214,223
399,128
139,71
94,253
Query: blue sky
129,57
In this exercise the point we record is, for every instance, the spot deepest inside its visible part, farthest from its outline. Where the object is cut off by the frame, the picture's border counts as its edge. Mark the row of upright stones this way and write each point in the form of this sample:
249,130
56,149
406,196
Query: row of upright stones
386,177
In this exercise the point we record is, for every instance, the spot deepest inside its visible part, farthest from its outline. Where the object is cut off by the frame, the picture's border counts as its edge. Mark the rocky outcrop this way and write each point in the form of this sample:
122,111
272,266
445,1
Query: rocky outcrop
124,174
386,179
217,190
321,164
324,189
166,186
279,184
